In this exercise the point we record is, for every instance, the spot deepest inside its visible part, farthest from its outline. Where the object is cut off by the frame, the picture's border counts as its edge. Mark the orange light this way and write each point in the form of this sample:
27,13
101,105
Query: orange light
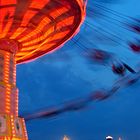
59,11
38,30
5,14
39,5
34,28
39,38
34,22
24,23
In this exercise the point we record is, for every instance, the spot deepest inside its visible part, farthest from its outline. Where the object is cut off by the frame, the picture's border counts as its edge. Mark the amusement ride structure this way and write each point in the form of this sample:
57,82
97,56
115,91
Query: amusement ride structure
28,30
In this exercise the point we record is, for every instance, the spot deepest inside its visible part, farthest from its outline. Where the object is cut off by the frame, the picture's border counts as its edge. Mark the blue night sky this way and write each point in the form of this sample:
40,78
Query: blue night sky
67,74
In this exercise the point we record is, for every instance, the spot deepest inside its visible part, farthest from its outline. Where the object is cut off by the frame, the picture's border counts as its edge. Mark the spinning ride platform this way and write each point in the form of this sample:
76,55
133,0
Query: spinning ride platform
30,29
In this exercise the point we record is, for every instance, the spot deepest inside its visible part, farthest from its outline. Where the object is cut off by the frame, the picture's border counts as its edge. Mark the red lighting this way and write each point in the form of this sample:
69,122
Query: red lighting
28,30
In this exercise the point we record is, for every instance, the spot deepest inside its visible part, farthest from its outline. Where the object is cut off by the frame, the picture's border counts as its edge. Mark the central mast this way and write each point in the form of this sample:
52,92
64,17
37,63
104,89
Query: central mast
11,126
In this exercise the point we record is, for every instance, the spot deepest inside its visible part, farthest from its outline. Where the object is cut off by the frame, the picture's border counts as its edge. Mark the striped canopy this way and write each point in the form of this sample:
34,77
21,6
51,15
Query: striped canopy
40,26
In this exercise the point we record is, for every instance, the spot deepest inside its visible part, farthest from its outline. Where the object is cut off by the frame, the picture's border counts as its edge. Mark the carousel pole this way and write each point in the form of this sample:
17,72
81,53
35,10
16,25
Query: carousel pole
11,126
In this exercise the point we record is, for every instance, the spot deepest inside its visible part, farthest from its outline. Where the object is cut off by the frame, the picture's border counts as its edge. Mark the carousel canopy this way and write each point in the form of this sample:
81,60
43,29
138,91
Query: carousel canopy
39,26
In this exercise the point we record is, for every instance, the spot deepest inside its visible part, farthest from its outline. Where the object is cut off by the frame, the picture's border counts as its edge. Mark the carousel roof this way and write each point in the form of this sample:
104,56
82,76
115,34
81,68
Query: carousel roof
39,26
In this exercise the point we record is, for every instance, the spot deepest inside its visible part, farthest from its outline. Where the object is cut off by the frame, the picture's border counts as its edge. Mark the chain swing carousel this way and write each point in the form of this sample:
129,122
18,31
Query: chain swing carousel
28,30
